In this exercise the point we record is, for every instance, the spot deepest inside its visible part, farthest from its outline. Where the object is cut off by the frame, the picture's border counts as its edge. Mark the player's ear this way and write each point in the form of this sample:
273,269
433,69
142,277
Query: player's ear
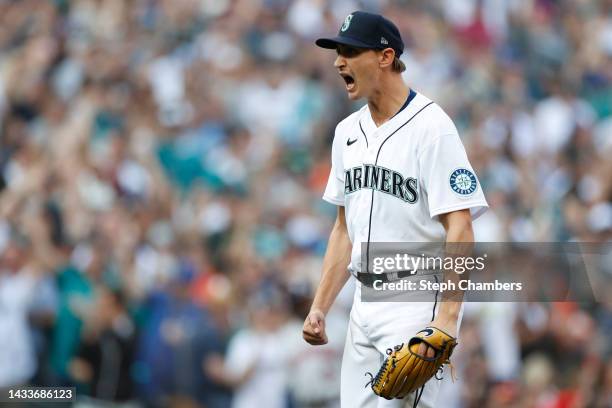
386,57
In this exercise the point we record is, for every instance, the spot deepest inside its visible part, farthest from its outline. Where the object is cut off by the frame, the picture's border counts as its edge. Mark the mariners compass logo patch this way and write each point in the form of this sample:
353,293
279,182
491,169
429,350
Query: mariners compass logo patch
347,23
463,182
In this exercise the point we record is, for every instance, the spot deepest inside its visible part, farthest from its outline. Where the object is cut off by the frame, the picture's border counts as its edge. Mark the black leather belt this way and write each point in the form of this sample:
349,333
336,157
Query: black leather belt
369,278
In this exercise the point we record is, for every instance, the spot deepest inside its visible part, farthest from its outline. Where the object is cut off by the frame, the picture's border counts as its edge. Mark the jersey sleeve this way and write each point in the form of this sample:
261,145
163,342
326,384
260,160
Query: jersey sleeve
449,181
334,192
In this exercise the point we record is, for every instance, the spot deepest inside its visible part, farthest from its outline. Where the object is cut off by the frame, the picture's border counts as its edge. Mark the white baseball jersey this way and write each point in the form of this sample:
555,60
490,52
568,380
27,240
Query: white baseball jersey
394,180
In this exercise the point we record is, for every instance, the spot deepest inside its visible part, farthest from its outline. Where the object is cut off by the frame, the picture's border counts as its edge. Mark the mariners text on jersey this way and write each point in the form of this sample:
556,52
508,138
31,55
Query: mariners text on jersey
381,179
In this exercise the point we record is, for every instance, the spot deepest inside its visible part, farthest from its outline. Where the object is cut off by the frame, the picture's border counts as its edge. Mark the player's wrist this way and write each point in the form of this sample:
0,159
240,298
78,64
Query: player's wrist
448,314
318,310
447,322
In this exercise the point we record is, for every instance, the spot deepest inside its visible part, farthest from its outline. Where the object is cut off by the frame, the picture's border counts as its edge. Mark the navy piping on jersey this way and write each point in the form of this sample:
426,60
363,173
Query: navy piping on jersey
411,96
409,99
375,164
364,135
418,395
433,312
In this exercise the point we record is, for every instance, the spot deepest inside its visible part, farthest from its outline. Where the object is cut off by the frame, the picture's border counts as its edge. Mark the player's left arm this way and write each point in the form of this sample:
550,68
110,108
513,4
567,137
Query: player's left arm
459,242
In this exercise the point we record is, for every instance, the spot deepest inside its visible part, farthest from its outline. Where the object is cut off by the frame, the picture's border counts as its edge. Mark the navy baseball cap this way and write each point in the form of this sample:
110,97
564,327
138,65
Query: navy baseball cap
366,30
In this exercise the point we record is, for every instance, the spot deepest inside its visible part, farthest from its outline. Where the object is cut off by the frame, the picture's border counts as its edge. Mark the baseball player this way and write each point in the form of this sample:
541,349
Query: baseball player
399,174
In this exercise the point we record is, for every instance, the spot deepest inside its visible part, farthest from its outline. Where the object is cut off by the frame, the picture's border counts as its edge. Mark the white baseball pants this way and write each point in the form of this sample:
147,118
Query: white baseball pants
373,328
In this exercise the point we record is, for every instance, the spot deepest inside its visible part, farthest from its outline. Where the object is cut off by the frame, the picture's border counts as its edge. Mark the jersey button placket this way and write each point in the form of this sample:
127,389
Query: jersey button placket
373,146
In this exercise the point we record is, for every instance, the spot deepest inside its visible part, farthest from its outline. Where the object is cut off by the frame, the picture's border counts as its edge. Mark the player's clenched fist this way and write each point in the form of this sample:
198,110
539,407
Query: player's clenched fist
314,328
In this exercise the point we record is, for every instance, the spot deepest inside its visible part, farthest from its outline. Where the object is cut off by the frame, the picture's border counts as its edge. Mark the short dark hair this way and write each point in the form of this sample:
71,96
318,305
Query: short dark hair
398,65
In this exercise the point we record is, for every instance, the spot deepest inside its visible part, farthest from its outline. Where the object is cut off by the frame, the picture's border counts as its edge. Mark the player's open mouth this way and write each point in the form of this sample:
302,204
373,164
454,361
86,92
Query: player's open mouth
349,80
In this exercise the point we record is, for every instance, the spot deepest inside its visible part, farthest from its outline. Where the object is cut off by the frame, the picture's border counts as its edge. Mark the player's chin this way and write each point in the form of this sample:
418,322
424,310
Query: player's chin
353,93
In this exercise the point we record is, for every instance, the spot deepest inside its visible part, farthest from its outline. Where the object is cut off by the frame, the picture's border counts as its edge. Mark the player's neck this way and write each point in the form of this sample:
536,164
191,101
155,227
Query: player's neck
388,99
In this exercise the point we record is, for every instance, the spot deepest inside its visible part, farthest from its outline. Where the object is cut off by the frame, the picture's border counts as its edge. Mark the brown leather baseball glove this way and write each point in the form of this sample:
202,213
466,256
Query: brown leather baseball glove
404,371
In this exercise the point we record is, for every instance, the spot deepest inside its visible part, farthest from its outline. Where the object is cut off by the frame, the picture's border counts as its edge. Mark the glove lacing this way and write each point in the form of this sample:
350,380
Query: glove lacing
382,374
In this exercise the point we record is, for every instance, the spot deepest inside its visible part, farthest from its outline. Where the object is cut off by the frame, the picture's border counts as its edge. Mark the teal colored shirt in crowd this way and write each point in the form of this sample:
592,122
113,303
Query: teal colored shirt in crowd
73,287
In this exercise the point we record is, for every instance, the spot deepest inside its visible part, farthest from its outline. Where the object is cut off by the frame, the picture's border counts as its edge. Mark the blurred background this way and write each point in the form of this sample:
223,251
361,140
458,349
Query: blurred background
161,170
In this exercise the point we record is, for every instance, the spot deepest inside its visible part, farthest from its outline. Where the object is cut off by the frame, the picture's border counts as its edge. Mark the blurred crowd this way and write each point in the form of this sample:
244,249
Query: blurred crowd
161,168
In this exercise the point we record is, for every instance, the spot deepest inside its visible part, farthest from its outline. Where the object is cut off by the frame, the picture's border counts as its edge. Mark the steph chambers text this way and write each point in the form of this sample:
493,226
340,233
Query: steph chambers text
464,284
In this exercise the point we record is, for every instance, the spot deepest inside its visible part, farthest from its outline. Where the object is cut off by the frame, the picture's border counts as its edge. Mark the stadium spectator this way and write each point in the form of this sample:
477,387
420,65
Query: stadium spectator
175,151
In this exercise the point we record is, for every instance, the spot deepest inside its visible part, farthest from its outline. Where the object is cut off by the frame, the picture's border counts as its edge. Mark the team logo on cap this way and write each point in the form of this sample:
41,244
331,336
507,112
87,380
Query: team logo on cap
463,182
347,23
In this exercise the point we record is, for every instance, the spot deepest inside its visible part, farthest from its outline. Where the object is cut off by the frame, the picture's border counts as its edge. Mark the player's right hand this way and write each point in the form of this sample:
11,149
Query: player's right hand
314,328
